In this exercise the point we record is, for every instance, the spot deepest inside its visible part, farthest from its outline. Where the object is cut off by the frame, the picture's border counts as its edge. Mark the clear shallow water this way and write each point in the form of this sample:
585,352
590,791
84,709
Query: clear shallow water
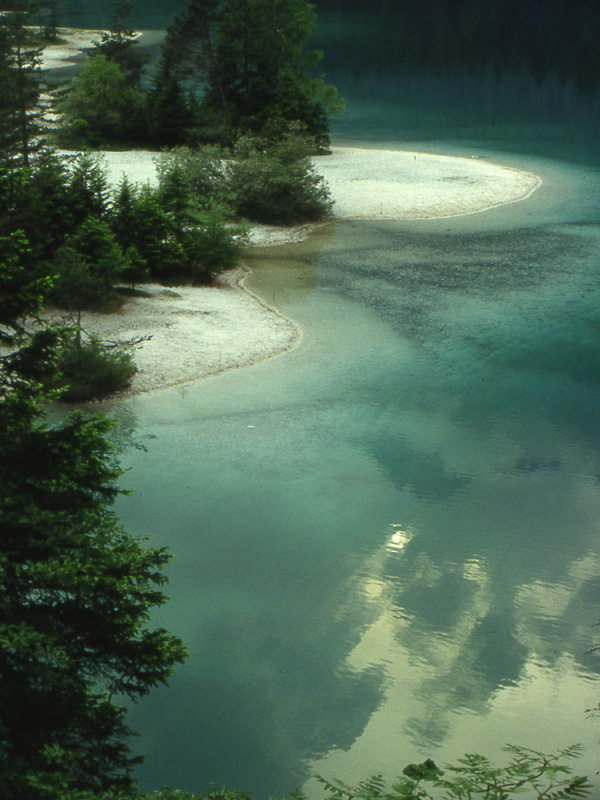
386,541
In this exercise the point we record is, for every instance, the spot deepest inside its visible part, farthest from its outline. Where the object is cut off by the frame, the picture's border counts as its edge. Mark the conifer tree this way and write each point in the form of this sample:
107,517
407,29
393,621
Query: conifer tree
76,591
250,59
119,43
55,10
8,98
20,130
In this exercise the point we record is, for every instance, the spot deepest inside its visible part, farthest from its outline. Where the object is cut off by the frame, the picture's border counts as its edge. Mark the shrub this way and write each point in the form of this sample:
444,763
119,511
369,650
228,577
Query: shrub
264,187
75,287
101,103
88,268
197,175
211,247
537,774
141,222
261,180
90,370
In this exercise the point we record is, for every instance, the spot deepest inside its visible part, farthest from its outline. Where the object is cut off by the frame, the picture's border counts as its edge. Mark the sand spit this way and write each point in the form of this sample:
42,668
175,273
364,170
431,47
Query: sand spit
190,333
380,184
196,332
74,41
396,184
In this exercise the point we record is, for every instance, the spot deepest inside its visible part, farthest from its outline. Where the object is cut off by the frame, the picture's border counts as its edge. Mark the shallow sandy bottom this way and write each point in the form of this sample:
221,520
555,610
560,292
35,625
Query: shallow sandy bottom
195,332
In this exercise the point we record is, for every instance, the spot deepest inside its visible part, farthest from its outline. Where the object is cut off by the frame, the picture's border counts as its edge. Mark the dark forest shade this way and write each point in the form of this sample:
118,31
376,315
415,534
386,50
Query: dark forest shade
550,38
554,38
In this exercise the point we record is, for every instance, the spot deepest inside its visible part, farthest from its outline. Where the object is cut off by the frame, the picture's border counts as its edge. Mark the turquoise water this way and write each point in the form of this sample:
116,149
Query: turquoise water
385,542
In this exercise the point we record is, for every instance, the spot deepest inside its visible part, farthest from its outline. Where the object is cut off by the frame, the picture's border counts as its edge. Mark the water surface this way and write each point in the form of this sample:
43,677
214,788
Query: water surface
386,541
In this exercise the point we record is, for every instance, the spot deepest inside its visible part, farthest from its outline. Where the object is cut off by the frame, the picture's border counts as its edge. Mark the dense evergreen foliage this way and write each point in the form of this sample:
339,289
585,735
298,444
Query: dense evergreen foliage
76,590
101,104
76,596
94,240
227,67
19,80
247,63
259,181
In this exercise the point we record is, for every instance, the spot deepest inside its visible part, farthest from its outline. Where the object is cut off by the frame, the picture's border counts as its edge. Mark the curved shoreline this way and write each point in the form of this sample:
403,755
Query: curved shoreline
409,185
196,332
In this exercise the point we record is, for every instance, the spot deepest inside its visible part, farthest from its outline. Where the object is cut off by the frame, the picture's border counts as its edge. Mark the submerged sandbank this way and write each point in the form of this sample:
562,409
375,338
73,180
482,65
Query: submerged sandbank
195,332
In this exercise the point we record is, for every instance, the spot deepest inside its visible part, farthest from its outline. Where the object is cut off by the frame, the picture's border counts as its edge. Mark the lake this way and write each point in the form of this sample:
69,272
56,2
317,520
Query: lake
385,542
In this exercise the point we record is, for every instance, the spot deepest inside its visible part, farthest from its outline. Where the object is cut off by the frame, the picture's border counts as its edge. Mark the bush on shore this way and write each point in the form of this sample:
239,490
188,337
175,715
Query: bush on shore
90,370
258,180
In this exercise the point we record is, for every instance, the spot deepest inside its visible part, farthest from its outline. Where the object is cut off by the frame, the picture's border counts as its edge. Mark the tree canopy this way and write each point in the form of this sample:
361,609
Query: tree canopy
76,591
247,62
19,84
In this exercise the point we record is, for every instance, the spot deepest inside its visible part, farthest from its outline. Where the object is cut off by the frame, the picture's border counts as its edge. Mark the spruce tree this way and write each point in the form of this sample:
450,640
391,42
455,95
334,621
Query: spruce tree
76,591
20,130
250,66
8,98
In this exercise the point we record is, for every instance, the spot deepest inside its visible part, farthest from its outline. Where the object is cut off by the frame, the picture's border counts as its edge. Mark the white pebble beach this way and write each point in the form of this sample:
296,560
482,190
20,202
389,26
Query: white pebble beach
189,333
196,332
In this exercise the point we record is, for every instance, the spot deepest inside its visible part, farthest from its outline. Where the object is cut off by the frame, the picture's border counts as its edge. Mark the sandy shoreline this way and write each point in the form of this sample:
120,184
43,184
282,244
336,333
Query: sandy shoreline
191,332
196,332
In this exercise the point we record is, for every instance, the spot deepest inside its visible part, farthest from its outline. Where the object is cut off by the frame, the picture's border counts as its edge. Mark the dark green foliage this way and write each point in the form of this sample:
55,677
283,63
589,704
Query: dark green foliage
118,44
9,131
47,198
28,195
193,176
19,70
75,286
262,182
101,103
21,292
210,247
87,269
89,370
95,242
141,222
55,11
540,775
249,60
169,112
265,71
76,592
176,236
87,188
267,188
136,268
